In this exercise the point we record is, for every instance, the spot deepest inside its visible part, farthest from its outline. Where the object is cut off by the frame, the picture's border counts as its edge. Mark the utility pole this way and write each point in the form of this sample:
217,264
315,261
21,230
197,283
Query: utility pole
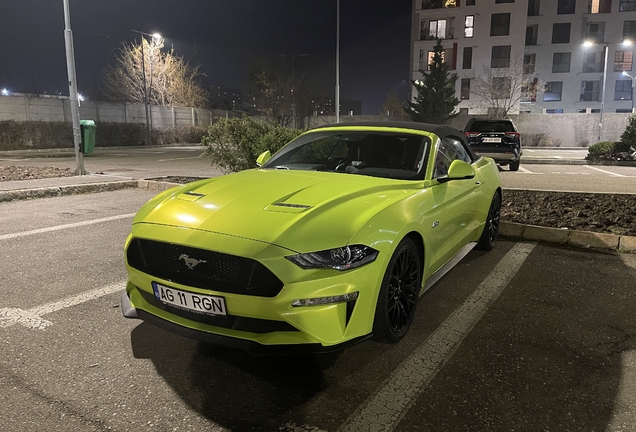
72,88
337,107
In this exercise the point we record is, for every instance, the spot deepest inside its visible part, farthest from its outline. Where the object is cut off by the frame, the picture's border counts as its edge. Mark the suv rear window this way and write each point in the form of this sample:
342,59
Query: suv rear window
492,126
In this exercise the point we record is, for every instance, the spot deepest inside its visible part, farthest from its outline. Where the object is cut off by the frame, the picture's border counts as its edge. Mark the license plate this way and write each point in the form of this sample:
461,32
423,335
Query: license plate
209,305
491,140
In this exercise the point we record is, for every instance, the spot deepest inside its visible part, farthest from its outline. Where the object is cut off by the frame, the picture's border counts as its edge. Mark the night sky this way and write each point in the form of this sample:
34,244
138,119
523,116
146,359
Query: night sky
223,36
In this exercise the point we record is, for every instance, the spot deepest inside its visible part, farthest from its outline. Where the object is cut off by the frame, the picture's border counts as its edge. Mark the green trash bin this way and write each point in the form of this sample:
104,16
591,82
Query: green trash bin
88,128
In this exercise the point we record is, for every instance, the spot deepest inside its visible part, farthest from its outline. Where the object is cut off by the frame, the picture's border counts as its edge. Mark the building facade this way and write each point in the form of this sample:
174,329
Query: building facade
552,56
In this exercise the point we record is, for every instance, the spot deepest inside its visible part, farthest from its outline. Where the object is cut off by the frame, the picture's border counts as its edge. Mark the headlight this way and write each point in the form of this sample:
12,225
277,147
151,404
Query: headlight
342,258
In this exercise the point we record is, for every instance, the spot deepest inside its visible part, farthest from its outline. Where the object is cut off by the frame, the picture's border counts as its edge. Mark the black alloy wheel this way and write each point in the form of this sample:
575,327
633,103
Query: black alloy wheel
491,228
398,295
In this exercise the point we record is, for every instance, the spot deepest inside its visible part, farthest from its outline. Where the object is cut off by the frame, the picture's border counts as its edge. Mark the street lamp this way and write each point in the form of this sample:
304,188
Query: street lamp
633,85
72,89
588,44
155,36
337,61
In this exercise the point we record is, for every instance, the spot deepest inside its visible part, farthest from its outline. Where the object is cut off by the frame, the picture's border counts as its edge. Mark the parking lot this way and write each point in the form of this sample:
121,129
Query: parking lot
526,337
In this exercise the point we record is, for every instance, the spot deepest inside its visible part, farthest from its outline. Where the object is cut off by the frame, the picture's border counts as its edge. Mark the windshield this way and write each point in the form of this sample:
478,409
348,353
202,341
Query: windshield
378,154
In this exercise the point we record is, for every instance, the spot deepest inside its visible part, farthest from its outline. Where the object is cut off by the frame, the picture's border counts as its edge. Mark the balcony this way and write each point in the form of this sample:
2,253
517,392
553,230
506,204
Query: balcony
438,4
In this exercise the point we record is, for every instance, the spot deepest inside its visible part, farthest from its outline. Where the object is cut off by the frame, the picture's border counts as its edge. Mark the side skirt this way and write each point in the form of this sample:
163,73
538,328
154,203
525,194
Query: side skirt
448,266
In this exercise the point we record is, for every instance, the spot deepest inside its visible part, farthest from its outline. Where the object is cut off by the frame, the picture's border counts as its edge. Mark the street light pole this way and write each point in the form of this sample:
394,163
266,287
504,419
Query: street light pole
600,121
72,89
633,86
337,107
606,48
143,72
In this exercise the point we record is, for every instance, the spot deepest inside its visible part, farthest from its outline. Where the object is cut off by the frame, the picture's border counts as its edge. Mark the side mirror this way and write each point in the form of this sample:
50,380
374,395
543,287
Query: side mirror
262,158
459,170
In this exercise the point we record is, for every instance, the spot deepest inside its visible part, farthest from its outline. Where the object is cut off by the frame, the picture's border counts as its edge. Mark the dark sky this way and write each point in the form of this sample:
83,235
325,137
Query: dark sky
223,36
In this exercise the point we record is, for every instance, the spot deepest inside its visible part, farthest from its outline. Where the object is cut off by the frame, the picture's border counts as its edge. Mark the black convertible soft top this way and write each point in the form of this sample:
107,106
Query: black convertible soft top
439,130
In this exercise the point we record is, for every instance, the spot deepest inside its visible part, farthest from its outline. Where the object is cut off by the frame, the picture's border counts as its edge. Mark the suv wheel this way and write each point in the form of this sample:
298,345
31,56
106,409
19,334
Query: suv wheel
514,165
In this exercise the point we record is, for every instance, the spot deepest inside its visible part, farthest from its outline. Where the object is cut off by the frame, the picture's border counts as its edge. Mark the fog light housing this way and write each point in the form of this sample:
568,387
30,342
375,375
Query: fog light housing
320,301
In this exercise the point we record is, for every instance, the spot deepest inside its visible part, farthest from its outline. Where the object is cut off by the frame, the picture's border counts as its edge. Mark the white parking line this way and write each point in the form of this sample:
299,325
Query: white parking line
67,226
32,318
525,170
603,171
384,410
164,160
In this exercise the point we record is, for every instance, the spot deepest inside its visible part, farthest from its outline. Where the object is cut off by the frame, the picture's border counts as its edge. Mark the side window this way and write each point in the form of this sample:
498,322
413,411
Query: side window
448,150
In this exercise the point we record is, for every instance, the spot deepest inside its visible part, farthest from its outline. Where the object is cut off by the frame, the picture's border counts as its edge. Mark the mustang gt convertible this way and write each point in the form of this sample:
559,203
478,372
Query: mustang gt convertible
329,242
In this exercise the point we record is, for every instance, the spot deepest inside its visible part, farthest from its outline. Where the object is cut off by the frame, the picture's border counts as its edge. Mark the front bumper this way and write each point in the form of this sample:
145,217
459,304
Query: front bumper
251,347
259,323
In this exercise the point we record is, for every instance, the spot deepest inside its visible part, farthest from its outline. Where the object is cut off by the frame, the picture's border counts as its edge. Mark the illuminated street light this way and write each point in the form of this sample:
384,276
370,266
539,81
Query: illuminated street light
633,85
5,92
81,97
155,36
588,44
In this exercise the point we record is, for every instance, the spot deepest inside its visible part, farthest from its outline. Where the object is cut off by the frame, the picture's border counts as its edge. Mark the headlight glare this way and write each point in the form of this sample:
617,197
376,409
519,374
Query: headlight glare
342,258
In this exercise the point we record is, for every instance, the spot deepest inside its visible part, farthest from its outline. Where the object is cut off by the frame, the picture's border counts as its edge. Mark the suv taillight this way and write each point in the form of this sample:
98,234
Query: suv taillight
512,134
471,134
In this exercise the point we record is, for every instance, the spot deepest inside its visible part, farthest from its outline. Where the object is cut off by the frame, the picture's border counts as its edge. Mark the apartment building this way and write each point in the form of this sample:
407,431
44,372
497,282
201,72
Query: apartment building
565,50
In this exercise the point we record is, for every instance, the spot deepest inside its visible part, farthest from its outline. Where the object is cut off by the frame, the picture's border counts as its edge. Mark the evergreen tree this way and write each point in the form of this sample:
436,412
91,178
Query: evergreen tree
629,135
435,100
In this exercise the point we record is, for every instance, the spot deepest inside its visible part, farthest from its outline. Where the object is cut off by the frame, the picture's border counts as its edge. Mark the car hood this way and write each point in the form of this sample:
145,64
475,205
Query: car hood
298,210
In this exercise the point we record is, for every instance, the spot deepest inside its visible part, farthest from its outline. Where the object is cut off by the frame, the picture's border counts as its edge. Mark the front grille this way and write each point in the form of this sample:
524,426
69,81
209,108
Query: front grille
202,268
246,324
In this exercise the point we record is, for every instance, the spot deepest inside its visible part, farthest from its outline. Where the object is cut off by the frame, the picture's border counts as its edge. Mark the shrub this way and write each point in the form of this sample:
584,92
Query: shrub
537,140
235,143
601,150
611,151
629,135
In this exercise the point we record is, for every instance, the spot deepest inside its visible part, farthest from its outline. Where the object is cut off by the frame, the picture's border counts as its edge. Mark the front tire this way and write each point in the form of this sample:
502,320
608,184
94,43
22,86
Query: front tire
491,228
400,288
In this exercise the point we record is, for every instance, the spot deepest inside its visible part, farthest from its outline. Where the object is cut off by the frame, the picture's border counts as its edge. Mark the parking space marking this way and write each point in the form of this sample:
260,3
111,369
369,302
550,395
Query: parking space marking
384,410
603,171
525,170
32,318
66,226
172,159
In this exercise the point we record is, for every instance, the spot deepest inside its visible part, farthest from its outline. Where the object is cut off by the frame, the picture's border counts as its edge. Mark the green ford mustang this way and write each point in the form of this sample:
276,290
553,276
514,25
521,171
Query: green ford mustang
331,241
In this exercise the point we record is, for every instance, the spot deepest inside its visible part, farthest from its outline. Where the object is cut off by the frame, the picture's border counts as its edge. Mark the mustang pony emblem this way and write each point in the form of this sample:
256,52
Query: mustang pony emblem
190,262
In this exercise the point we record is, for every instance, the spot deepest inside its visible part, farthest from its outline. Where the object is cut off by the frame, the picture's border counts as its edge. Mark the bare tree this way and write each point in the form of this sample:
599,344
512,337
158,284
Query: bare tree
393,106
280,93
499,89
169,79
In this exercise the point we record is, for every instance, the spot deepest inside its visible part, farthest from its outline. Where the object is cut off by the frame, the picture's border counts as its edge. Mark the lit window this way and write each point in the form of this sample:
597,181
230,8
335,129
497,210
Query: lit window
469,25
437,29
623,61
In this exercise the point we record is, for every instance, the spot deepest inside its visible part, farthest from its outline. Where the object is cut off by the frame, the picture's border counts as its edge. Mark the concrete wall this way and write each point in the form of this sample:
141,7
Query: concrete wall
564,130
54,109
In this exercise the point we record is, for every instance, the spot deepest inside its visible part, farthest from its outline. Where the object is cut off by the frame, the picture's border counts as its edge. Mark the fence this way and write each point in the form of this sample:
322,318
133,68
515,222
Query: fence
566,130
58,109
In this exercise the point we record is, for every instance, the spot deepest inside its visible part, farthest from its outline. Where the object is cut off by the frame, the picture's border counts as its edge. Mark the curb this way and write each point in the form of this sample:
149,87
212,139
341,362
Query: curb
575,162
582,239
24,194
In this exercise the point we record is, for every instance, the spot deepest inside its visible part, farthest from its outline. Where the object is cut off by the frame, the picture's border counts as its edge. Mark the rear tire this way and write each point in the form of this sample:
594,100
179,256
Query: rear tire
514,165
491,228
398,295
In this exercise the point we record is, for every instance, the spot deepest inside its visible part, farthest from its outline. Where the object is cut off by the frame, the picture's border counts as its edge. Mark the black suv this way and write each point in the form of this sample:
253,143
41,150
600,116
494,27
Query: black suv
497,139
